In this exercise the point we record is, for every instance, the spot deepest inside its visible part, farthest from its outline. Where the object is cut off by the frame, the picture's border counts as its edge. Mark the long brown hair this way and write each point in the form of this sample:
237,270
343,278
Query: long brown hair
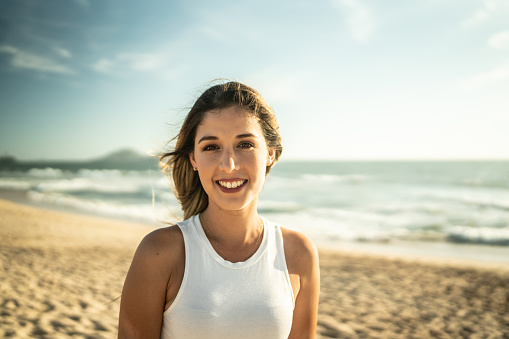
176,163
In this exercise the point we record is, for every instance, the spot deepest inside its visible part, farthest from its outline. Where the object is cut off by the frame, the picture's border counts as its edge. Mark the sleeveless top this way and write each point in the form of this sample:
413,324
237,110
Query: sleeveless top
252,299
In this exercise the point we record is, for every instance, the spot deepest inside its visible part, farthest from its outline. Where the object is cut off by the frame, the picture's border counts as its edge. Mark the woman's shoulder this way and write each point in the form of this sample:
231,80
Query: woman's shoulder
301,258
167,239
162,246
297,242
163,237
300,252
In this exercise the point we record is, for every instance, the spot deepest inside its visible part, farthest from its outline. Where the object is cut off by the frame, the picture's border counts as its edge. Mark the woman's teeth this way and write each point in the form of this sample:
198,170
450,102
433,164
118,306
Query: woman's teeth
230,184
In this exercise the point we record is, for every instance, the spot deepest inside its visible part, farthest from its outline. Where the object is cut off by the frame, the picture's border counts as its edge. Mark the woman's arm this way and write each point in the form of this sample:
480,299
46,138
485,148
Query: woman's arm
145,289
302,262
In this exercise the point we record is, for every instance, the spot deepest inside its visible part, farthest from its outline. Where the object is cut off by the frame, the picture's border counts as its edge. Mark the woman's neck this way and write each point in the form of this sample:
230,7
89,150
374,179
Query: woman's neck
232,229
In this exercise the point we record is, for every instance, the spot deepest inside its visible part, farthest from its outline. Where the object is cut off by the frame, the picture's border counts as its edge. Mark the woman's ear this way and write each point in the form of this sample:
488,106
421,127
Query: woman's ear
193,161
271,155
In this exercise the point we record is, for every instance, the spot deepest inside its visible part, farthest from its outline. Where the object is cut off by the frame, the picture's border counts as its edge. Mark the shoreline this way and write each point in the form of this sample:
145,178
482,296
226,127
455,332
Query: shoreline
464,254
61,274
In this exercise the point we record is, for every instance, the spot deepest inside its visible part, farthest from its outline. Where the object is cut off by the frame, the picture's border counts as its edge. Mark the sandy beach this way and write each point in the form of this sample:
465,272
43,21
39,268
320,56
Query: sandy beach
60,275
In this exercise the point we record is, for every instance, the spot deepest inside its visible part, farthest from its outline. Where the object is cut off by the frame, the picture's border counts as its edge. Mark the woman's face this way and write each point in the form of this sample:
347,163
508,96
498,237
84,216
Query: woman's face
231,154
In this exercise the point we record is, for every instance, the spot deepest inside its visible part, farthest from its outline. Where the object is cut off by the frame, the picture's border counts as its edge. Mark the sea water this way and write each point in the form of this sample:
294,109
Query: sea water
354,202
461,202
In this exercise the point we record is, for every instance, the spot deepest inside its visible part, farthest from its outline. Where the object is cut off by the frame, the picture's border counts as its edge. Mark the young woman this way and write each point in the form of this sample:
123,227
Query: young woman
224,272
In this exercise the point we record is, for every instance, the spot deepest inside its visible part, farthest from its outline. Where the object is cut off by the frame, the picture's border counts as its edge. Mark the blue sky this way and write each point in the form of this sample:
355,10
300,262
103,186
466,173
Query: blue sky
347,79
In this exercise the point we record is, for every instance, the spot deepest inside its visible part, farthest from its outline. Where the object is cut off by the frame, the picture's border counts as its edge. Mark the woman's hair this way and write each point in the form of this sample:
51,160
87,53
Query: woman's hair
177,165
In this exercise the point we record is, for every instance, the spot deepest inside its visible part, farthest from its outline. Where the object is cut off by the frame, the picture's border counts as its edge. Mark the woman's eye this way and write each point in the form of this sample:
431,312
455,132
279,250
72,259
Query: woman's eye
210,148
246,145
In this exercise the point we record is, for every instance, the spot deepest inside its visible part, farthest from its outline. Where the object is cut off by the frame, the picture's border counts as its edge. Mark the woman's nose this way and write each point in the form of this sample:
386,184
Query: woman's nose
228,163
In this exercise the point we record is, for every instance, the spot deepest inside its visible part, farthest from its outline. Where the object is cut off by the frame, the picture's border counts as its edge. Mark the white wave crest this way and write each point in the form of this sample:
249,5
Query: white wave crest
15,185
144,212
83,184
45,172
479,235
100,174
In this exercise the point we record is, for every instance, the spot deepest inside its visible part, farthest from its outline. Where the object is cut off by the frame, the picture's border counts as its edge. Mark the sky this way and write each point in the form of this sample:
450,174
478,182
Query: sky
347,79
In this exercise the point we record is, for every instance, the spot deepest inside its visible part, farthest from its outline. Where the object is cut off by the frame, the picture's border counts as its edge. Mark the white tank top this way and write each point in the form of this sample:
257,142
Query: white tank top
221,299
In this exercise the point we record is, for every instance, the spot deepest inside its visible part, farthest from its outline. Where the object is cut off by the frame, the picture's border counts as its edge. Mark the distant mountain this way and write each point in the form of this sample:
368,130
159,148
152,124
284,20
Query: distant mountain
125,159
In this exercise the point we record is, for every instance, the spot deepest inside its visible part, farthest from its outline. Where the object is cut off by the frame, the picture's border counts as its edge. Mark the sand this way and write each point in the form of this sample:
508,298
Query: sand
61,273
369,297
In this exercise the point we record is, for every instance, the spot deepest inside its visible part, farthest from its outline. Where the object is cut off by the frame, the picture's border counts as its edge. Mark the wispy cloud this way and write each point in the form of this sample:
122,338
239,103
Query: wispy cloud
26,60
62,52
499,40
138,62
103,66
360,20
482,79
479,16
489,8
141,62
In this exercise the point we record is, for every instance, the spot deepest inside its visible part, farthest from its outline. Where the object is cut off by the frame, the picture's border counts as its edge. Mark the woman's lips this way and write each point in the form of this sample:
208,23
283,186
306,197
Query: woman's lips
231,185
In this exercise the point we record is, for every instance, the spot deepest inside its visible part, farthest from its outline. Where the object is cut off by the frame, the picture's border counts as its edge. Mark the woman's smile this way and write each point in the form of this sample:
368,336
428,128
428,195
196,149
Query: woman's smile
231,183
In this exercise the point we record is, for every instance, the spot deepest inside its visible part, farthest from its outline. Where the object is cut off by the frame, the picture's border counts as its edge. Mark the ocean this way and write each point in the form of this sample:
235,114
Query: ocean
379,203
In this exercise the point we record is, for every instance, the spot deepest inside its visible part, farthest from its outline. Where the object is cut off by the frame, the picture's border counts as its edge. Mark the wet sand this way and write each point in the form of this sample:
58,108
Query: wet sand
61,273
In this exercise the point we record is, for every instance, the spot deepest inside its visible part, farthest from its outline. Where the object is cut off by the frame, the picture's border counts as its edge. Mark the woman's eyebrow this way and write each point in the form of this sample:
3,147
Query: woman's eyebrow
245,135
207,137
